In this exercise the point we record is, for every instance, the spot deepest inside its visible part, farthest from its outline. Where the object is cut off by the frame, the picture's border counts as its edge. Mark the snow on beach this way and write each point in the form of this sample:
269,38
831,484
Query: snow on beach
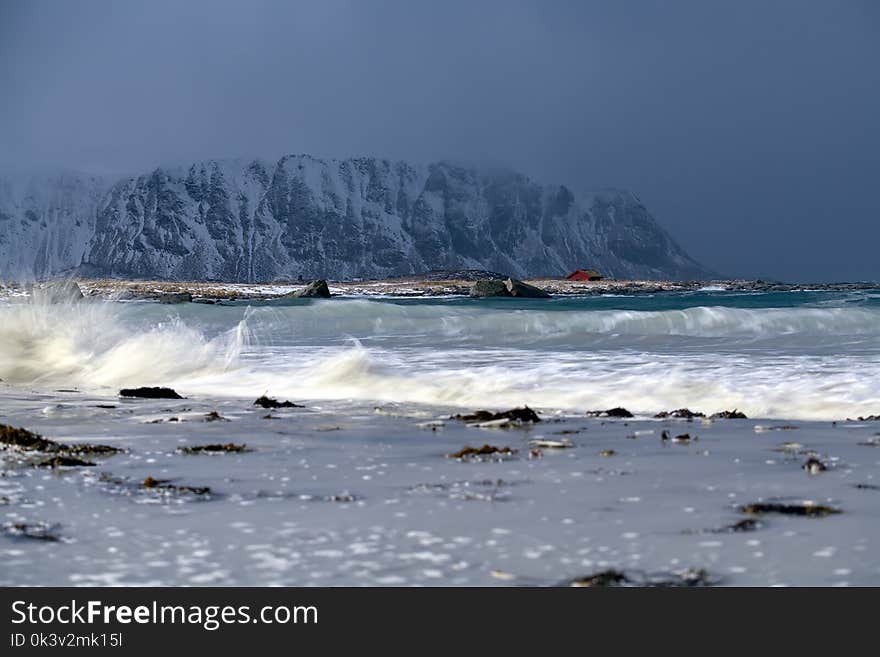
339,494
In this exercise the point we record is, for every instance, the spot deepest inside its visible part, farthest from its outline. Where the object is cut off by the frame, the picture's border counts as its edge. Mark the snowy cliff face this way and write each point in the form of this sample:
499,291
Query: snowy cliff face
302,216
46,222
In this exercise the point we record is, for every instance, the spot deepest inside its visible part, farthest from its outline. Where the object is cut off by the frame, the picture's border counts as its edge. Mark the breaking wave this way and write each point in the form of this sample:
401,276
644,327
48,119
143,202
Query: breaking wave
494,325
464,355
792,387
89,344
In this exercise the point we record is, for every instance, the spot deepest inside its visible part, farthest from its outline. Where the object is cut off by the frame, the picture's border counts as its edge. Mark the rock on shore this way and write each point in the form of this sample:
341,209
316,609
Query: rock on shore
507,288
314,290
175,297
58,292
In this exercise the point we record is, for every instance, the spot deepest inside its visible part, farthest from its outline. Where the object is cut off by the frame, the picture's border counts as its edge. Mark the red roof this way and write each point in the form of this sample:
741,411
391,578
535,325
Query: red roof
584,275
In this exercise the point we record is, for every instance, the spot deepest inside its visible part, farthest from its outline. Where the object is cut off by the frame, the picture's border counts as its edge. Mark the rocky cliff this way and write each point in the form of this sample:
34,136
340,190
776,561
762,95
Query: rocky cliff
236,220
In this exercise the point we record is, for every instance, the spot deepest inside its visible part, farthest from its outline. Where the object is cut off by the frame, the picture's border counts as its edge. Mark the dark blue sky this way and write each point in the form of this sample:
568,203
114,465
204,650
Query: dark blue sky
748,128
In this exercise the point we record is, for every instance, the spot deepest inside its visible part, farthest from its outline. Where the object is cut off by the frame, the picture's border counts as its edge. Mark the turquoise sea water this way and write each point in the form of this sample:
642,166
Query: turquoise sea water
810,354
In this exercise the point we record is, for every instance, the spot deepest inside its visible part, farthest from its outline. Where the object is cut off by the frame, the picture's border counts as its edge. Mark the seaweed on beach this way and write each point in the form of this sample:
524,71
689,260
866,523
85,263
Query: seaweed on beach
524,414
805,509
692,577
23,439
468,452
617,411
165,486
601,579
270,402
729,415
476,416
215,448
28,441
684,413
150,393
743,525
91,449
63,462
149,486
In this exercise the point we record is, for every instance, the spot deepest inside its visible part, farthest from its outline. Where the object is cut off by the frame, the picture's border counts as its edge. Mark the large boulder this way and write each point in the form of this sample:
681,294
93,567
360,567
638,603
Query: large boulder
314,290
520,289
58,292
493,287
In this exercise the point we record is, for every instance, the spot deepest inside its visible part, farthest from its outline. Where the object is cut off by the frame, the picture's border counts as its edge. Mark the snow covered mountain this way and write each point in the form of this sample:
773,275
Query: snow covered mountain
236,220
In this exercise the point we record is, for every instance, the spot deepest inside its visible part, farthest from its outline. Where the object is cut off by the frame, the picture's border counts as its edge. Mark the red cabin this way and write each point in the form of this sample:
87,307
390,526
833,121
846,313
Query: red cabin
584,275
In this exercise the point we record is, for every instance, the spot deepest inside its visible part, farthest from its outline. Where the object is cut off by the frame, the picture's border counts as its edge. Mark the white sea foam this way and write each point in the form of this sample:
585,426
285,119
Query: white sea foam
89,344
465,356
824,388
494,324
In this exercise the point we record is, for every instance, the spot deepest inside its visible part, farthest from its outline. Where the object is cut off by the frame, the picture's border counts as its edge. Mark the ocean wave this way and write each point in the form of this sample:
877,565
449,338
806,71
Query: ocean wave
362,318
491,358
90,344
794,387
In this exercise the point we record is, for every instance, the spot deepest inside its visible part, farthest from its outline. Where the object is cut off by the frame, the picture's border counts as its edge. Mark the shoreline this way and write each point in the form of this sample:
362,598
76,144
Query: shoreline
336,495
416,286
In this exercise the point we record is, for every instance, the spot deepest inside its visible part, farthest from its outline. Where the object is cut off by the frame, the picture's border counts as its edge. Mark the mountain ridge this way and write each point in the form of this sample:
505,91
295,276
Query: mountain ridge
254,220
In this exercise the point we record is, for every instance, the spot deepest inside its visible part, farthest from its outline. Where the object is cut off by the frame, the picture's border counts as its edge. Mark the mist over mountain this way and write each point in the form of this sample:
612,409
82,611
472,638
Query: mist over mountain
256,220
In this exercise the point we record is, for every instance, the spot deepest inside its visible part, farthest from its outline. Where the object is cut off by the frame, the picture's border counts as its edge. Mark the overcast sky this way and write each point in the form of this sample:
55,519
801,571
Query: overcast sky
748,128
